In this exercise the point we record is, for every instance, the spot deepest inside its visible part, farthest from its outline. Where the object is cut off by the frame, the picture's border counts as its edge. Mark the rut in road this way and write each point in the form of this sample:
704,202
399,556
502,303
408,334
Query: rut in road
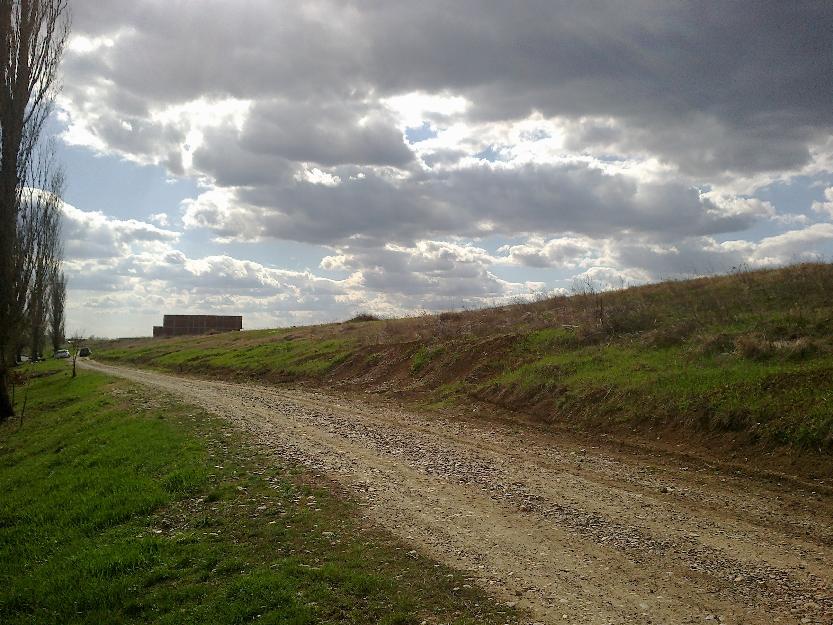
572,535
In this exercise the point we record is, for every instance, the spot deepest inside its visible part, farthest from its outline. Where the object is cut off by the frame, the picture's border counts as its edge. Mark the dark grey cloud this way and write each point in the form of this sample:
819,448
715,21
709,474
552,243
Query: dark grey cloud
229,164
335,133
471,202
756,80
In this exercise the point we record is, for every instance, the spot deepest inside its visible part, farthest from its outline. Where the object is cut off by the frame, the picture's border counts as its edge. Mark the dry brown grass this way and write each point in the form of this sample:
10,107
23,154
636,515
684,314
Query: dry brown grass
670,312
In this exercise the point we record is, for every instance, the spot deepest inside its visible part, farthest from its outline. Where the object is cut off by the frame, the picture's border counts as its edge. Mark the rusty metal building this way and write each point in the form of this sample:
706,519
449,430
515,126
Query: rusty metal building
178,325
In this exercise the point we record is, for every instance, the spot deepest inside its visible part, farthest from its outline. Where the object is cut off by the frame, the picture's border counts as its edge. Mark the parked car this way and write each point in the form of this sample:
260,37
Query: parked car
61,353
84,352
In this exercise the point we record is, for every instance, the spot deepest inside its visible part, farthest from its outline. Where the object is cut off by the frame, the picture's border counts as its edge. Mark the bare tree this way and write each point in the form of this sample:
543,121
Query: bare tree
32,38
46,253
57,303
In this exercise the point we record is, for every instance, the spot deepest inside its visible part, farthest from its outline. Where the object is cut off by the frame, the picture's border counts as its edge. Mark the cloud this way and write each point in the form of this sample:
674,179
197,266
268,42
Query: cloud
430,274
712,89
133,268
328,134
825,207
95,235
569,252
160,218
477,200
643,259
794,245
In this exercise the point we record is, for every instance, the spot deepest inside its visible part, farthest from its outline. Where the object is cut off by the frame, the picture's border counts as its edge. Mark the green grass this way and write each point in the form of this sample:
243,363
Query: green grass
423,357
120,506
240,353
787,402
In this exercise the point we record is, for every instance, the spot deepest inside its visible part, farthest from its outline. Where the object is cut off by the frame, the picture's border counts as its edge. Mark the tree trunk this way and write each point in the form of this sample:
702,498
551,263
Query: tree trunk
6,407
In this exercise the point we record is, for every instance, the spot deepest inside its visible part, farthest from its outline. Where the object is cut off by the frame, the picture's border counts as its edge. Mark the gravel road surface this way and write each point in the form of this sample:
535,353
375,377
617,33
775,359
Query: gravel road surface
591,535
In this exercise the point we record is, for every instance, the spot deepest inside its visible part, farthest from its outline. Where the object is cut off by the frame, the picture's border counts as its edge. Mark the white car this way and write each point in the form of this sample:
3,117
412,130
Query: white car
61,353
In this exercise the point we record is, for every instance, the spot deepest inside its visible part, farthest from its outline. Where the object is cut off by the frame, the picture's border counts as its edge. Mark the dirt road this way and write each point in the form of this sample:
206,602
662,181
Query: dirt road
574,535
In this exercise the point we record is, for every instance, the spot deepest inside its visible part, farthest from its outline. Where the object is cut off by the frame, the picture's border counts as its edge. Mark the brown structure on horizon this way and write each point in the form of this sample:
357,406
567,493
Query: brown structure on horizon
178,325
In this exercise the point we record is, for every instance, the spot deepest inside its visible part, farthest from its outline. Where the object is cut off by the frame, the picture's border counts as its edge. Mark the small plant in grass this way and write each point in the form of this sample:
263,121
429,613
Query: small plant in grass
423,356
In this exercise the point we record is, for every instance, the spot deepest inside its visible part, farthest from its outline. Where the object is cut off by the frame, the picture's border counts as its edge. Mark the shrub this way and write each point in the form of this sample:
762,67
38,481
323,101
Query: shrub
451,315
360,317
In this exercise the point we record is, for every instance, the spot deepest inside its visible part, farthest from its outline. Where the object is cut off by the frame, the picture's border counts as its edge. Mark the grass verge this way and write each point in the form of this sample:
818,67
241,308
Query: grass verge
120,506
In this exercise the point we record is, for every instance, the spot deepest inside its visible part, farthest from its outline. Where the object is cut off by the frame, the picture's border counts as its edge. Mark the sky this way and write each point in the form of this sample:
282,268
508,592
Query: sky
300,162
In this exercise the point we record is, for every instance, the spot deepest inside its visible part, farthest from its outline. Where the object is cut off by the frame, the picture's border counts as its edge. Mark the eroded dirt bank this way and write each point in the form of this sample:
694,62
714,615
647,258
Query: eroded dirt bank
575,535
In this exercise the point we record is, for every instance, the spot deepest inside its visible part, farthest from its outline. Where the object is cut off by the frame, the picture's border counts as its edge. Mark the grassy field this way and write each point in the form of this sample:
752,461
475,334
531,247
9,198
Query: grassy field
119,506
748,354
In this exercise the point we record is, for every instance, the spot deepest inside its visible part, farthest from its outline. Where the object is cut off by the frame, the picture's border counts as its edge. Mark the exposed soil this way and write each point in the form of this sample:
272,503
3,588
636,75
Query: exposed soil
573,533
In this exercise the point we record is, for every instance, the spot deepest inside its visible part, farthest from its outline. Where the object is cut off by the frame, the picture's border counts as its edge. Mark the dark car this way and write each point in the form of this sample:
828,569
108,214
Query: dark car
84,352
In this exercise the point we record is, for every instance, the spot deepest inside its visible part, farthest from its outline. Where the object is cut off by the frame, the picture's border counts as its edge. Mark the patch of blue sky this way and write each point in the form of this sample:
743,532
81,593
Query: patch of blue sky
554,276
420,133
535,135
610,158
490,154
794,197
121,188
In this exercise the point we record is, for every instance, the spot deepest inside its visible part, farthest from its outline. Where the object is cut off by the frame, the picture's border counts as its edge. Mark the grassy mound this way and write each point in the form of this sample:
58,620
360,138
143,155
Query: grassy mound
749,354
